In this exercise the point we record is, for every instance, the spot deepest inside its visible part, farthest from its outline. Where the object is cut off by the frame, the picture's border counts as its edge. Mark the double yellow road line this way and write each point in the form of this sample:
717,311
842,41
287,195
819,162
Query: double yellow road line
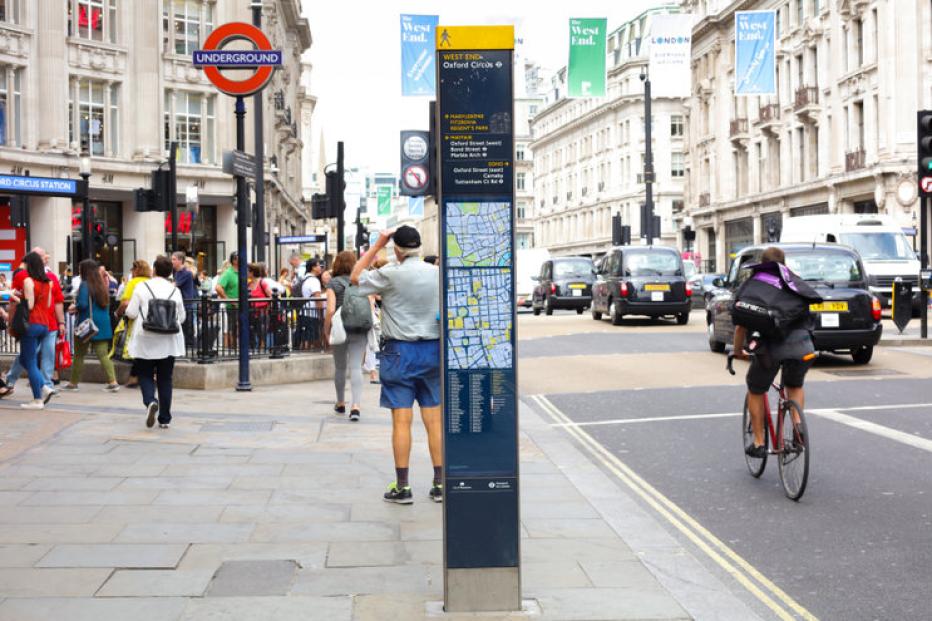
761,587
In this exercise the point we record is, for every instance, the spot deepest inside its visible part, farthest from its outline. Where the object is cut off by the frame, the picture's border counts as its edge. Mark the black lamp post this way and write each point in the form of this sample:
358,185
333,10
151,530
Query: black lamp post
84,171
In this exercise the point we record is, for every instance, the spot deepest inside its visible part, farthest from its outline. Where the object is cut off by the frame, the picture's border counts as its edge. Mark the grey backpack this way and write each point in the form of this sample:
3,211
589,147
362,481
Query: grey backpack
355,310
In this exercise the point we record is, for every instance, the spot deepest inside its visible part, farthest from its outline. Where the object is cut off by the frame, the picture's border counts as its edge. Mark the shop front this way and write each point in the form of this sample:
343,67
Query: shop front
111,250
197,237
13,243
738,234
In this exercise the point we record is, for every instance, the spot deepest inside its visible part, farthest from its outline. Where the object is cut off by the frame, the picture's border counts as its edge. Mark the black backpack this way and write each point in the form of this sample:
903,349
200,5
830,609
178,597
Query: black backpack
162,315
773,302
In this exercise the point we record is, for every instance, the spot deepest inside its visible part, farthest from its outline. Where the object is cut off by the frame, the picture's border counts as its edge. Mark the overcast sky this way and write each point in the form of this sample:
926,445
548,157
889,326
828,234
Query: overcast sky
356,58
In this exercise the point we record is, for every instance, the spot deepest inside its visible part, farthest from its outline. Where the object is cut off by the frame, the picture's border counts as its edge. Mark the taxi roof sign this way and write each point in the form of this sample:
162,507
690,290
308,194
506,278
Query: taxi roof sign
475,38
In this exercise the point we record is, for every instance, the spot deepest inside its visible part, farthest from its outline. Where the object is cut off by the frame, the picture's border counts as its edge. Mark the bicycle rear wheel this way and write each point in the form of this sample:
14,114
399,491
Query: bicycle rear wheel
755,466
793,456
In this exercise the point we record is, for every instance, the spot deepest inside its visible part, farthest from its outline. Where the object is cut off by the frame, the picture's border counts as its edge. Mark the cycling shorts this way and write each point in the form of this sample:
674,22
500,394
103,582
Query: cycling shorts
762,373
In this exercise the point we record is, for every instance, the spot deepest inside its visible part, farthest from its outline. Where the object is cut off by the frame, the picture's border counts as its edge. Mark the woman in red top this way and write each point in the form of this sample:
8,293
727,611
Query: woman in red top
37,294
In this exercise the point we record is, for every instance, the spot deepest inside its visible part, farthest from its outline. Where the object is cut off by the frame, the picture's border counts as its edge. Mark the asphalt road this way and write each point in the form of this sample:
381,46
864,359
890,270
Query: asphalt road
858,545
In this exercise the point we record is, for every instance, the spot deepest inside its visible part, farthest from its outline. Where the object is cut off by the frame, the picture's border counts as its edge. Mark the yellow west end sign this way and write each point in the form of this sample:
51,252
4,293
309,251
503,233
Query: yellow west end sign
475,37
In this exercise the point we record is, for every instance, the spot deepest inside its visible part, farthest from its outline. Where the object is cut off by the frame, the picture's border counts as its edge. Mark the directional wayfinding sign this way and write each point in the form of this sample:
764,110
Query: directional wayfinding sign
239,164
476,136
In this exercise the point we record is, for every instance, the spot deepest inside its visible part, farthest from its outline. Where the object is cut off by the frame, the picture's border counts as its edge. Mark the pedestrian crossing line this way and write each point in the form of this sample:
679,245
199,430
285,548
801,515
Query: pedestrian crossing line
886,432
730,561
626,421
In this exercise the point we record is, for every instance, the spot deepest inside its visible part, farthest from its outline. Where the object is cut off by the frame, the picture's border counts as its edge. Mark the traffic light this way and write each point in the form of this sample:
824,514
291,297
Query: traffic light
335,195
924,143
362,234
18,208
320,206
161,187
98,233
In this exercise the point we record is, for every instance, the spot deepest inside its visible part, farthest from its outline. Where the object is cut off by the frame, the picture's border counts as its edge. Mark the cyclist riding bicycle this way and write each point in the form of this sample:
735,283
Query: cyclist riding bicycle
787,345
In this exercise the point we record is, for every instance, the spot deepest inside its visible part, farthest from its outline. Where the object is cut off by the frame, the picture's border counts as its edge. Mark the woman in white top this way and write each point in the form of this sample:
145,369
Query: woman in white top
155,352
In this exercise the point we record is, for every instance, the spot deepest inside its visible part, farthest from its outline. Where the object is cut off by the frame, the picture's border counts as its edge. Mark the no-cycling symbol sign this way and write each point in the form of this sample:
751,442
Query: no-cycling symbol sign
213,58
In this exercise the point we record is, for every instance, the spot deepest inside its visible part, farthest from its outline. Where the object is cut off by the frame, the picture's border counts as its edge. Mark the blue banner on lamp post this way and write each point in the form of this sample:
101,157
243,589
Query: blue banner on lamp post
417,55
755,53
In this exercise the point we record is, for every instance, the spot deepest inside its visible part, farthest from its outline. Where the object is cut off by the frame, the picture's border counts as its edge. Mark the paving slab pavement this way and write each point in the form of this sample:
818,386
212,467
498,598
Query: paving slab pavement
266,505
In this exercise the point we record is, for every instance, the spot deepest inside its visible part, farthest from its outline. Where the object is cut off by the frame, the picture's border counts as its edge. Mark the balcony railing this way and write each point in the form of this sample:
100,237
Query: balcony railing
705,199
738,128
769,113
854,160
806,96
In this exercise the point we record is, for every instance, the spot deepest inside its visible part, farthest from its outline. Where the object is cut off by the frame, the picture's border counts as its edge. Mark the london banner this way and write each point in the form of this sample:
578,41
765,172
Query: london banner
755,54
384,196
670,43
586,69
418,75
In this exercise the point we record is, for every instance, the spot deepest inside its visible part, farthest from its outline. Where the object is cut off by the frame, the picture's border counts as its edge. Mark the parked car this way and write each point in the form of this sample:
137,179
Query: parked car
641,280
564,282
848,319
702,286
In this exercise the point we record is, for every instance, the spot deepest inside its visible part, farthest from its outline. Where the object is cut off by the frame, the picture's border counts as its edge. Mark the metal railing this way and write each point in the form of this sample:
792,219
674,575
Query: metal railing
738,127
806,96
278,326
855,160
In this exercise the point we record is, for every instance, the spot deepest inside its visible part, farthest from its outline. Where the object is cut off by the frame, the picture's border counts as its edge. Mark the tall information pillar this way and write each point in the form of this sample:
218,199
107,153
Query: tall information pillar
475,137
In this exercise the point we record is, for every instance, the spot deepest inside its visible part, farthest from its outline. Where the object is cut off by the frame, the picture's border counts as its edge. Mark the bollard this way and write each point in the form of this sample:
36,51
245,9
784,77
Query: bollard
274,326
902,302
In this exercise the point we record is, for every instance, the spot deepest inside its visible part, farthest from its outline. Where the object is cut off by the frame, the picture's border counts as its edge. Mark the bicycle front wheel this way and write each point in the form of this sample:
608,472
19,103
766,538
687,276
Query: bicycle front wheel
793,454
755,466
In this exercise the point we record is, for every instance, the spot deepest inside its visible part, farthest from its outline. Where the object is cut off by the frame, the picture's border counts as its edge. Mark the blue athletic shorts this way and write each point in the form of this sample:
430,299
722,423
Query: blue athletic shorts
410,371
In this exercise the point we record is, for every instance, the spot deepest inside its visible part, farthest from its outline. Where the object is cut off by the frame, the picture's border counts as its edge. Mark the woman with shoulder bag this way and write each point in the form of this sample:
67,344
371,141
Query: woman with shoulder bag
37,295
92,305
155,346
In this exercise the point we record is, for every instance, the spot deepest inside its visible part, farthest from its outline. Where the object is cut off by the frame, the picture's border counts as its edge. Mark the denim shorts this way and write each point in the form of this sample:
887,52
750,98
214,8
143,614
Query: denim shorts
410,371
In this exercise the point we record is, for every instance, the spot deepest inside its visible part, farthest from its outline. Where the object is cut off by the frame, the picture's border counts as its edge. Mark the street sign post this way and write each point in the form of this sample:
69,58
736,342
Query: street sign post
263,60
239,164
480,423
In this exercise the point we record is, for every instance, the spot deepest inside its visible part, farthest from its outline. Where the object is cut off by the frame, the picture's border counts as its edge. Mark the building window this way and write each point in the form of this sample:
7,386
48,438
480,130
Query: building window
185,24
96,20
10,11
677,165
532,109
11,80
94,117
859,41
519,180
677,126
519,153
800,12
521,213
190,121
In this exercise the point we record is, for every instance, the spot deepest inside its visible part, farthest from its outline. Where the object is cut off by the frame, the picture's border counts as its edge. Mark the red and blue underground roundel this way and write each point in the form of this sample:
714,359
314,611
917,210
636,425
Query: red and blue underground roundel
213,58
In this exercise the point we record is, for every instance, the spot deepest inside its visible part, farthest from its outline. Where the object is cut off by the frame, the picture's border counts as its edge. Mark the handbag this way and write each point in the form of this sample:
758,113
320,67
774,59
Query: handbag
86,330
19,322
337,331
63,358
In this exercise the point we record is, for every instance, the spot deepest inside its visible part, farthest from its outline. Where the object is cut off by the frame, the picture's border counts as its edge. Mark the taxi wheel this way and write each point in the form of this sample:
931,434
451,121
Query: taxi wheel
579,311
682,319
548,306
536,310
714,344
615,313
596,315
862,355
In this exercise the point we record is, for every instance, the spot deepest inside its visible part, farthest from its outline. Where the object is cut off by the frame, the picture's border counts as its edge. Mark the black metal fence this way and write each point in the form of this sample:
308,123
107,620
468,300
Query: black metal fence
278,326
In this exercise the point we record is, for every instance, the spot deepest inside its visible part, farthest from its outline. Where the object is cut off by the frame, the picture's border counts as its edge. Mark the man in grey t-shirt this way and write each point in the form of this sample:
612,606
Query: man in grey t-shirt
409,367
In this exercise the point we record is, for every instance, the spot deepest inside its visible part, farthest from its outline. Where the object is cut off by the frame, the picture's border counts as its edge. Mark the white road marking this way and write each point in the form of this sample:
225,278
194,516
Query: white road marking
624,421
768,593
879,430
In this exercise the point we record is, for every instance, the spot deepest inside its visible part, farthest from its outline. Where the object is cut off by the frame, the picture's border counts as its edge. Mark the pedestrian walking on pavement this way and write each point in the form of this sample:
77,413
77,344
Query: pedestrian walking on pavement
56,329
409,366
350,353
153,345
184,280
37,295
92,301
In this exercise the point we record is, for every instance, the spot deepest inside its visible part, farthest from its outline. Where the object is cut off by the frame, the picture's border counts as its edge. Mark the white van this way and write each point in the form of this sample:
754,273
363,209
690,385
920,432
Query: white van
527,266
884,249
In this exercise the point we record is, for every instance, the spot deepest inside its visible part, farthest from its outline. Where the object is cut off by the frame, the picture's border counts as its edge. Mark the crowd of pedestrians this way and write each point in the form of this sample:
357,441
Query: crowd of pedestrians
378,318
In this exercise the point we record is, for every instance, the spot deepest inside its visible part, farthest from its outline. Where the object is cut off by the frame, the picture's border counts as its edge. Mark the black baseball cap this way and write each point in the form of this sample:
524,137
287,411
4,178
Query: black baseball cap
407,237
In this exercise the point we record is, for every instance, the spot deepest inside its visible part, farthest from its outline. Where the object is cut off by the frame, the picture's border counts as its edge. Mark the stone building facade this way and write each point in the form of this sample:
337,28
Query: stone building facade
839,136
114,78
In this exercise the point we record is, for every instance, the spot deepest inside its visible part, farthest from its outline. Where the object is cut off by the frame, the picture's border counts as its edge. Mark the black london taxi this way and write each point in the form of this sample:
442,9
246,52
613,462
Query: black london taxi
641,280
564,282
847,320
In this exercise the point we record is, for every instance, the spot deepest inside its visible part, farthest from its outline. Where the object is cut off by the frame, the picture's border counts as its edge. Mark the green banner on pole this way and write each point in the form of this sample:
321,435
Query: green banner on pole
586,70
384,195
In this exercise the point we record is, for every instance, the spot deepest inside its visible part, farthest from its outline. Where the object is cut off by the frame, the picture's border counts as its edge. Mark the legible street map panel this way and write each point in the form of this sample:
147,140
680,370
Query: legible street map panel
479,319
478,234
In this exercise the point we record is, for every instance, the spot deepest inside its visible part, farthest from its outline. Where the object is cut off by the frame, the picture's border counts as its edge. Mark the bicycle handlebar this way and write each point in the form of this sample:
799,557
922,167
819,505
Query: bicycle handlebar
728,365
